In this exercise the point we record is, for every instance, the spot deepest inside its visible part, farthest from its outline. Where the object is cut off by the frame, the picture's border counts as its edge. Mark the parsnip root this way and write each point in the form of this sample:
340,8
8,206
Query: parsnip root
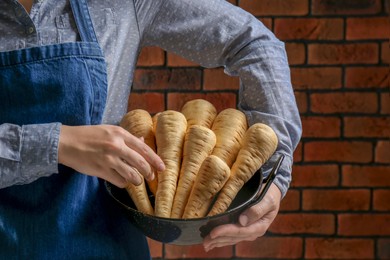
229,127
170,131
198,144
211,177
199,112
259,143
139,123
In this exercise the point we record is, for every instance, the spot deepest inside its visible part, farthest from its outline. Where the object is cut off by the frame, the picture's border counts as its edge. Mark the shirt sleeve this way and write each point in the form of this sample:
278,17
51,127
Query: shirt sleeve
214,33
27,152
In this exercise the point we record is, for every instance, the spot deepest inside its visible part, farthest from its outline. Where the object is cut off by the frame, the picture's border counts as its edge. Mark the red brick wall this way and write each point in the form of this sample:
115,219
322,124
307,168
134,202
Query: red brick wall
339,204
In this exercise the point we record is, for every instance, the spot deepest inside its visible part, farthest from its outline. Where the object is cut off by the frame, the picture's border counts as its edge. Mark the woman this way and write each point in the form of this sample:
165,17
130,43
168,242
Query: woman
65,71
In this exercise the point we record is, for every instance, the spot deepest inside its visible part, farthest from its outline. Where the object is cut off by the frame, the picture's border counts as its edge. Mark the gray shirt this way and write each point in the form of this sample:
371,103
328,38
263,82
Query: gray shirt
212,33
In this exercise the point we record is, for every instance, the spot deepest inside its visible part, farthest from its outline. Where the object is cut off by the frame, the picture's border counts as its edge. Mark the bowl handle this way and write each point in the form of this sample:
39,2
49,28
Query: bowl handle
268,181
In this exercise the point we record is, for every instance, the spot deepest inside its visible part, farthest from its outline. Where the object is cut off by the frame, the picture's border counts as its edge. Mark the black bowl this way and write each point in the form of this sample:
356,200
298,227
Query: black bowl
192,231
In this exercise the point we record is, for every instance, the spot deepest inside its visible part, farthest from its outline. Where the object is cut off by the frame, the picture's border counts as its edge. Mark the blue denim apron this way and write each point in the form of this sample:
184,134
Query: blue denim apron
67,215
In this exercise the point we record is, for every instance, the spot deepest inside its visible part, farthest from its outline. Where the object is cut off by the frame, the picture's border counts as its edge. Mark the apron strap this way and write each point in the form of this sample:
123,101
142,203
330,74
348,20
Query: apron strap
83,20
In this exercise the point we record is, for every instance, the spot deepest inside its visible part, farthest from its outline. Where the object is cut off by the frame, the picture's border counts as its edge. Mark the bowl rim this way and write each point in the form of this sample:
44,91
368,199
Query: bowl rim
257,196
206,218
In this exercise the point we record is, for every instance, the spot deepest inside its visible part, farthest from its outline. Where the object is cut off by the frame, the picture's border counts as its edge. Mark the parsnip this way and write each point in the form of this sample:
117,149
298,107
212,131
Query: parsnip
139,123
154,119
198,143
170,131
211,177
259,143
229,127
153,184
140,197
199,112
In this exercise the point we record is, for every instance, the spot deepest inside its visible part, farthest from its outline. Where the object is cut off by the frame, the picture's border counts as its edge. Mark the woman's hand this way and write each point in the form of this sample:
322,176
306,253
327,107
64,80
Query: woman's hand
253,222
108,152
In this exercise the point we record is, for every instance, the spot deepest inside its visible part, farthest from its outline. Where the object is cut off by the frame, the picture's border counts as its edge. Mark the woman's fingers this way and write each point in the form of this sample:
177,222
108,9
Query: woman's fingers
232,234
107,152
138,159
134,159
240,232
253,222
113,177
266,210
145,151
128,172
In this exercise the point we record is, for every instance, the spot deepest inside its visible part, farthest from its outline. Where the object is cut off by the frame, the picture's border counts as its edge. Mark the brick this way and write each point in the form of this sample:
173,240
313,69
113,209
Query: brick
317,126
367,127
387,7
316,78
335,7
347,102
219,100
271,248
367,77
151,56
298,153
301,99
339,248
151,102
156,248
385,49
381,200
368,28
365,176
174,60
291,201
296,53
301,223
382,152
185,79
324,175
216,79
158,79
196,251
363,224
309,29
151,79
338,151
336,200
384,248
348,53
385,103
267,22
275,7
